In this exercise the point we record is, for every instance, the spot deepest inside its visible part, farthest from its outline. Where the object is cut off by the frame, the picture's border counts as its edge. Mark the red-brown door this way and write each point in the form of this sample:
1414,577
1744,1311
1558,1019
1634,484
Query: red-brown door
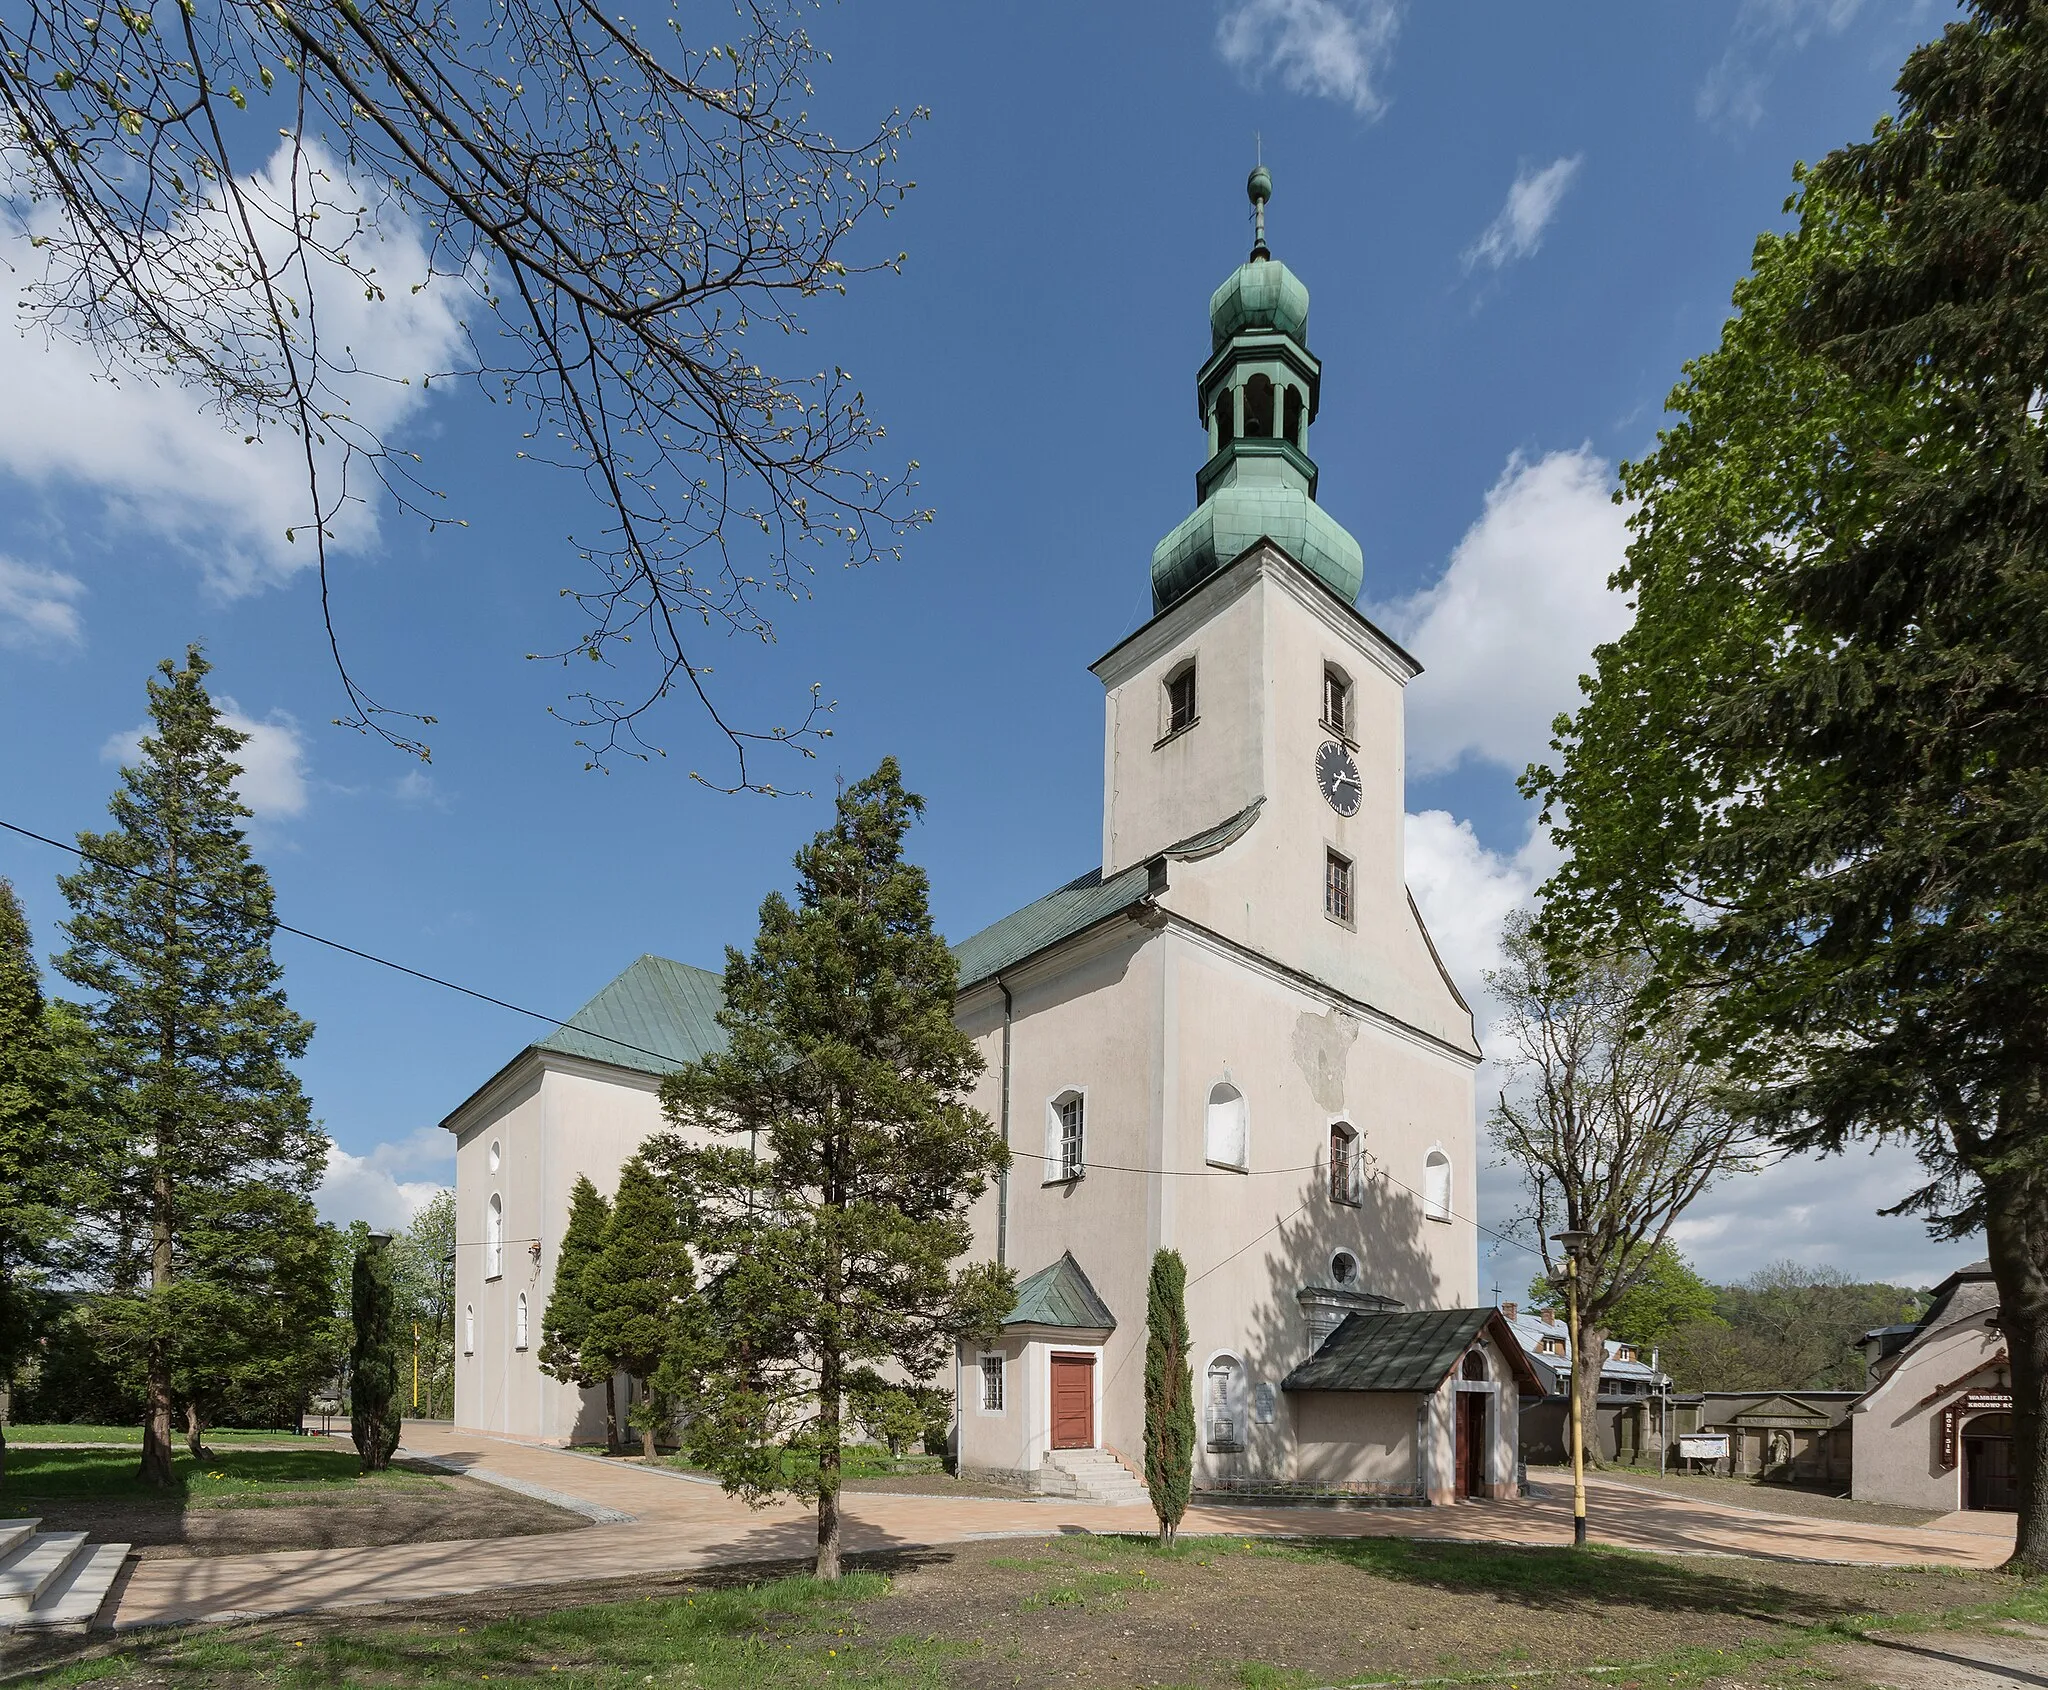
1471,1444
1073,1401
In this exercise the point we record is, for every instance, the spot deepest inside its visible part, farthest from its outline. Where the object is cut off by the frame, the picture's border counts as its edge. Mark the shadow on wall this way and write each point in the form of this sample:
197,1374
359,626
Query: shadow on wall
1343,1254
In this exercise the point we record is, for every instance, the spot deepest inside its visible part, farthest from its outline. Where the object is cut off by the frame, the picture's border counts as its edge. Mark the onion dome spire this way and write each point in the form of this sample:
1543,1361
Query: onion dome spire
1257,394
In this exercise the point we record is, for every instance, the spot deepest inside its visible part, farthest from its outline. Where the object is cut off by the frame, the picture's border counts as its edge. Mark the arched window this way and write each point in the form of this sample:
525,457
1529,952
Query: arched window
519,1342
1224,1405
1228,1138
497,1156
1066,1136
1344,1268
1180,699
494,1237
1345,1181
1295,413
469,1330
1336,701
1475,1366
1436,1186
1258,408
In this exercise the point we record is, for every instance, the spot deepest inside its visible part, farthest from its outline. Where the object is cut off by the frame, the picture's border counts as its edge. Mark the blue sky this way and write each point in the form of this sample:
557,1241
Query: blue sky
1515,222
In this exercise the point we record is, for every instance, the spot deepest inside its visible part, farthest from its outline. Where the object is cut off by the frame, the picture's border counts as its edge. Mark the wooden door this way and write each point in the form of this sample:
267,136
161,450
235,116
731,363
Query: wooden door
1471,1451
1073,1401
1989,1478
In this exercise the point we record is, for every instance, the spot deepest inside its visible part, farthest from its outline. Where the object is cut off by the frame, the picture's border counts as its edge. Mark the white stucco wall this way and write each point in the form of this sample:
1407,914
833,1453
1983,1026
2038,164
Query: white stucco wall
1897,1448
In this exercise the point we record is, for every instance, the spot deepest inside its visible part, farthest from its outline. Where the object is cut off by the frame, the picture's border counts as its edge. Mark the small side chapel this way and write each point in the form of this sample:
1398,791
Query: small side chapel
1232,1038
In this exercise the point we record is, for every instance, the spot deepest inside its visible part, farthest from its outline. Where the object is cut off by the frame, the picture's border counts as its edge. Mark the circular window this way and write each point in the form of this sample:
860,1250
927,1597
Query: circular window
1344,1267
497,1155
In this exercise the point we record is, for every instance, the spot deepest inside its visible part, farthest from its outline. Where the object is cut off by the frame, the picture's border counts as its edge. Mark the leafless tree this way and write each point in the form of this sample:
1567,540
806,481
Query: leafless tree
1614,1125
634,210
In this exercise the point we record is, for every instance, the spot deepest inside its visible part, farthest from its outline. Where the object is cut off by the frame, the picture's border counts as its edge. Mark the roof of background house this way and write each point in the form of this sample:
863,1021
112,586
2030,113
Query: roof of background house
1408,1350
1060,1295
1531,1329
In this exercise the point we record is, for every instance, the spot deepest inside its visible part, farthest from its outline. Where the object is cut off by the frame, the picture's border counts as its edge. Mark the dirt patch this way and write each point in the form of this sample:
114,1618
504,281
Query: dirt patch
433,1511
1747,1493
2015,1656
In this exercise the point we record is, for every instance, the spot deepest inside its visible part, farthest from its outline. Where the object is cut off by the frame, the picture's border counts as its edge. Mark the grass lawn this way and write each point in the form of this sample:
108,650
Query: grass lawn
300,1472
1224,1614
67,1434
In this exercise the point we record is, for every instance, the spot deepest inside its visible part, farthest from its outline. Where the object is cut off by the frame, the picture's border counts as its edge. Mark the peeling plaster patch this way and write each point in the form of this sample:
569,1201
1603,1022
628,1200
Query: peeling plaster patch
1321,1043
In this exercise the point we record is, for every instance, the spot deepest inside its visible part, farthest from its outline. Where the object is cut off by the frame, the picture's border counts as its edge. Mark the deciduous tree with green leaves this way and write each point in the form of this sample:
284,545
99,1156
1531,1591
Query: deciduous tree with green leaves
1169,1394
640,1290
565,1326
1813,778
831,1203
170,930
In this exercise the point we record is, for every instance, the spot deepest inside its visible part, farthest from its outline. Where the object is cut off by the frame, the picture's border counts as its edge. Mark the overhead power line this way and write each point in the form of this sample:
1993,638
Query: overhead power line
642,1050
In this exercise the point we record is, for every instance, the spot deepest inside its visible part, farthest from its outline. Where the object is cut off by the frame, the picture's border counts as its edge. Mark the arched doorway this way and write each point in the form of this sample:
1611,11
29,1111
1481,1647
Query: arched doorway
1989,1481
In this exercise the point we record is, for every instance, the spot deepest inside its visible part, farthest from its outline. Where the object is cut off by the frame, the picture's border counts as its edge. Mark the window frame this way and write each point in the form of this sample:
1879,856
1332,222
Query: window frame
1000,1378
1338,723
1242,1163
1349,1190
1058,1169
1337,871
1171,723
494,1237
469,1329
520,1330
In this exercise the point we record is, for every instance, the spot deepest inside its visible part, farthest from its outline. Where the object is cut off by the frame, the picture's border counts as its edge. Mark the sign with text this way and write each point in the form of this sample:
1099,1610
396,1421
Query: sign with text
1703,1446
1953,1416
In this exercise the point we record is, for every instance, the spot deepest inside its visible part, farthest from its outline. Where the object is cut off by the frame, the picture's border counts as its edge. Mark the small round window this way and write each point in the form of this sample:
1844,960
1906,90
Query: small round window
497,1154
1344,1267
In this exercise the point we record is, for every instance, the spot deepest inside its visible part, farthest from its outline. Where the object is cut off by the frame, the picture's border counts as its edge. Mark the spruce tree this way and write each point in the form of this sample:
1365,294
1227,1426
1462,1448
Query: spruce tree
565,1327
1169,1394
831,1204
638,1289
44,1158
375,1412
170,932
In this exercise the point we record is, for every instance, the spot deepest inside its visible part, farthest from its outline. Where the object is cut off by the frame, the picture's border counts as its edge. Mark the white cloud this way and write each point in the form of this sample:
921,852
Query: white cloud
373,1187
273,779
1533,199
1332,49
1765,32
1505,633
38,609
171,471
1466,892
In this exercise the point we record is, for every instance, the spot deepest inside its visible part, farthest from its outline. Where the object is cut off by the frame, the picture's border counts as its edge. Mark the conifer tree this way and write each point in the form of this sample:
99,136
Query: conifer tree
41,1144
170,931
831,1205
638,1289
375,1414
565,1327
1169,1394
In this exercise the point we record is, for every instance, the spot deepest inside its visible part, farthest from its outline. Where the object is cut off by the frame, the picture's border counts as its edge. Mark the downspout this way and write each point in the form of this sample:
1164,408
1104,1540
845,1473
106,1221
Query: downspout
1003,1179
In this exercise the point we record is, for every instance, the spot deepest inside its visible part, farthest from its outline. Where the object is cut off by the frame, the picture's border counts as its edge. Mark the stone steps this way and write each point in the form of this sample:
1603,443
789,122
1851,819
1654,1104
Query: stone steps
1090,1475
53,1579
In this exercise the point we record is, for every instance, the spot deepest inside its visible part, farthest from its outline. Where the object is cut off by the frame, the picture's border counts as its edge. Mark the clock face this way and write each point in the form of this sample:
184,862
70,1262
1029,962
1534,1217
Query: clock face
1337,775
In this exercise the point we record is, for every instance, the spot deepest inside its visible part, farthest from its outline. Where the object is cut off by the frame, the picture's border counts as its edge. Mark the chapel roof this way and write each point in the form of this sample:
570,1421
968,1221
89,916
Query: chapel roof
1411,1350
1060,1295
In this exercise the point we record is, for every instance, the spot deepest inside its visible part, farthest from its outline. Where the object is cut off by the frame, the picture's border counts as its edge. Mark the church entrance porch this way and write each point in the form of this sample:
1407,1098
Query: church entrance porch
1073,1401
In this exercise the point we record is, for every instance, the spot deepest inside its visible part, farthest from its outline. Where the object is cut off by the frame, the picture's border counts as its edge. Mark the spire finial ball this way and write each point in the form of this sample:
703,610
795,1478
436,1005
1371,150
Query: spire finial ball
1259,185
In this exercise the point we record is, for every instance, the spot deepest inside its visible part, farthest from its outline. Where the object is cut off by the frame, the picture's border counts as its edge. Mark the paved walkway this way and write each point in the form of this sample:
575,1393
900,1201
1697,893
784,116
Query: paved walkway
678,1524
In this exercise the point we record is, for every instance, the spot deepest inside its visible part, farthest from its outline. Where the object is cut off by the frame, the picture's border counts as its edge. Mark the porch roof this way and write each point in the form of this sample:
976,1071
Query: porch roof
1060,1295
1408,1350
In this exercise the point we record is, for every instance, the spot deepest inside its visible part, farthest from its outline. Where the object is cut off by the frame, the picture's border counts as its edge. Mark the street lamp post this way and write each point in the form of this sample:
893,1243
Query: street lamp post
1574,1241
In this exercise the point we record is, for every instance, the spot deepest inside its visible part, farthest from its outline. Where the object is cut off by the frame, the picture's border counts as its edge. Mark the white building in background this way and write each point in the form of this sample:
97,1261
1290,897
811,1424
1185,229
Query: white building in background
1232,1038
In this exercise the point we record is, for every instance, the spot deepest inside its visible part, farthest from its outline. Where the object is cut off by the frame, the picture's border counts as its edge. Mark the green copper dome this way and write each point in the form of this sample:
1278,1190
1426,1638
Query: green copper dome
1262,295
1257,394
1235,518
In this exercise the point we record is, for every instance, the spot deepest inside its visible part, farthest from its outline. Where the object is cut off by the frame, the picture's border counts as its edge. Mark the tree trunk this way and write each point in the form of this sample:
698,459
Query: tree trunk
2016,1232
1589,1345
611,1414
156,1425
195,1432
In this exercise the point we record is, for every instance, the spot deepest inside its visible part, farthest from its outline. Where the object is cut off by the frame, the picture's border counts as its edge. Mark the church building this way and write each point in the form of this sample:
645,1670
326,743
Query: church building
1231,1037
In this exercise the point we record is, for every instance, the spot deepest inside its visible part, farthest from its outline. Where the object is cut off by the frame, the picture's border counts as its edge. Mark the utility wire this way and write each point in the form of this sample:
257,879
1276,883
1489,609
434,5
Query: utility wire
661,1055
